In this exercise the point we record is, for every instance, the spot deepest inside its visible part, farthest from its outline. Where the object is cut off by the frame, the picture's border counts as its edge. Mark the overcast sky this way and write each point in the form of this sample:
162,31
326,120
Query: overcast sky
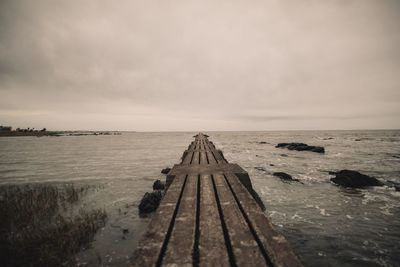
200,65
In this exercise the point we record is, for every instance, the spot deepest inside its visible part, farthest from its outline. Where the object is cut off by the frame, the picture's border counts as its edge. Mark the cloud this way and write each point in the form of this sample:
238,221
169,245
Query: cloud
187,65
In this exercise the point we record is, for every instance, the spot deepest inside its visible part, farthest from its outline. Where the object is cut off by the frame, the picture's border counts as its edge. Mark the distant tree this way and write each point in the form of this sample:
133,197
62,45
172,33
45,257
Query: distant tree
43,130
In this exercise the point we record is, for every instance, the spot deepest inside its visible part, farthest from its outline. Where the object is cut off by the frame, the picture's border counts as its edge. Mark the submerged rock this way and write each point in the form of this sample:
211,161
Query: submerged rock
301,147
150,202
165,171
354,179
285,176
260,169
158,185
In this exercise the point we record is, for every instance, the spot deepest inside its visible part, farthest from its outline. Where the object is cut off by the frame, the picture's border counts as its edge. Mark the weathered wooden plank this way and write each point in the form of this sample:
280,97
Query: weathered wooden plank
188,158
276,246
213,221
245,249
218,156
150,245
203,158
212,146
212,248
213,155
180,247
196,158
210,157
192,145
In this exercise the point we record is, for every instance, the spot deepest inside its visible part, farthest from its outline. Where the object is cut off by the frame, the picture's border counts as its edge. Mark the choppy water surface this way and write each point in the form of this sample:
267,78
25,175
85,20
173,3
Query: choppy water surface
325,224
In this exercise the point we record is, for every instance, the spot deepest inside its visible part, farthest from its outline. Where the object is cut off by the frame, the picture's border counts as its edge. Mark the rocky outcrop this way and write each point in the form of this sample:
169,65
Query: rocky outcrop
286,177
354,179
158,185
301,147
150,202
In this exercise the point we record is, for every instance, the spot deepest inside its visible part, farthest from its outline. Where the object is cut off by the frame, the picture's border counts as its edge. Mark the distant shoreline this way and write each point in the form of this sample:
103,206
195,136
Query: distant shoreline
56,134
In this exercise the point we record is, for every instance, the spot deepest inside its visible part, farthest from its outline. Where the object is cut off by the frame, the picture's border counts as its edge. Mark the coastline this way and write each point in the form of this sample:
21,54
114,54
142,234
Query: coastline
50,133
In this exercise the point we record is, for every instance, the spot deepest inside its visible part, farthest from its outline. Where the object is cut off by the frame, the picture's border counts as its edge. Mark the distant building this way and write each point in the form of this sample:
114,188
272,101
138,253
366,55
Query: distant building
5,128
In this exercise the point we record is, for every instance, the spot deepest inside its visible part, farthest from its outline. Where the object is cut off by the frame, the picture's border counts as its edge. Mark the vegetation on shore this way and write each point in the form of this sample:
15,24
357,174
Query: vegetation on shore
38,227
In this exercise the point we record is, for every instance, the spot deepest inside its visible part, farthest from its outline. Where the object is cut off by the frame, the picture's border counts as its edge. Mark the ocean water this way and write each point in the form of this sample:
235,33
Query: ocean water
325,224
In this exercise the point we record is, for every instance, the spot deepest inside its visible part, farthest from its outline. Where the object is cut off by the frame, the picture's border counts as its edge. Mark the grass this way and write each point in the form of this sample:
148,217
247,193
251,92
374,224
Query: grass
34,230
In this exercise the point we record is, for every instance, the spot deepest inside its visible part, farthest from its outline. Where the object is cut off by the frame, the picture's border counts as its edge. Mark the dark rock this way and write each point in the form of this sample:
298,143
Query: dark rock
125,231
284,155
150,202
158,185
354,179
165,171
285,176
328,138
301,147
263,143
271,165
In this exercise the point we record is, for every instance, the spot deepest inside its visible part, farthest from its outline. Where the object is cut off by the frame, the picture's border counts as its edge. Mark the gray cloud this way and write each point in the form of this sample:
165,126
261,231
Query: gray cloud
187,65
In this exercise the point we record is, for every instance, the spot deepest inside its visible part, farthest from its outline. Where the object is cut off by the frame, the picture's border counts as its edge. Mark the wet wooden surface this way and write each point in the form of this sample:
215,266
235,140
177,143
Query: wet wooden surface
209,216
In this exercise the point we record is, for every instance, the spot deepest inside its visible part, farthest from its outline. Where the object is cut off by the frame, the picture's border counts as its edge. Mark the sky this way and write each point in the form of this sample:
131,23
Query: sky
200,65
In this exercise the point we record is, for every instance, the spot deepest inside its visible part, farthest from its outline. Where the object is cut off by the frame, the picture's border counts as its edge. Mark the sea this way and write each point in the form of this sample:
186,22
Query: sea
326,225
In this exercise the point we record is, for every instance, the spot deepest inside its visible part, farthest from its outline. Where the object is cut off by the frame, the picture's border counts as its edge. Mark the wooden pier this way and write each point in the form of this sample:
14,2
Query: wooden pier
211,216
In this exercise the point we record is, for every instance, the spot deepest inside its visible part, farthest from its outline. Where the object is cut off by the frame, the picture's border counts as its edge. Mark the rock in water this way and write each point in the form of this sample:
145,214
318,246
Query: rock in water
150,202
285,176
165,171
354,179
260,169
301,147
158,185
